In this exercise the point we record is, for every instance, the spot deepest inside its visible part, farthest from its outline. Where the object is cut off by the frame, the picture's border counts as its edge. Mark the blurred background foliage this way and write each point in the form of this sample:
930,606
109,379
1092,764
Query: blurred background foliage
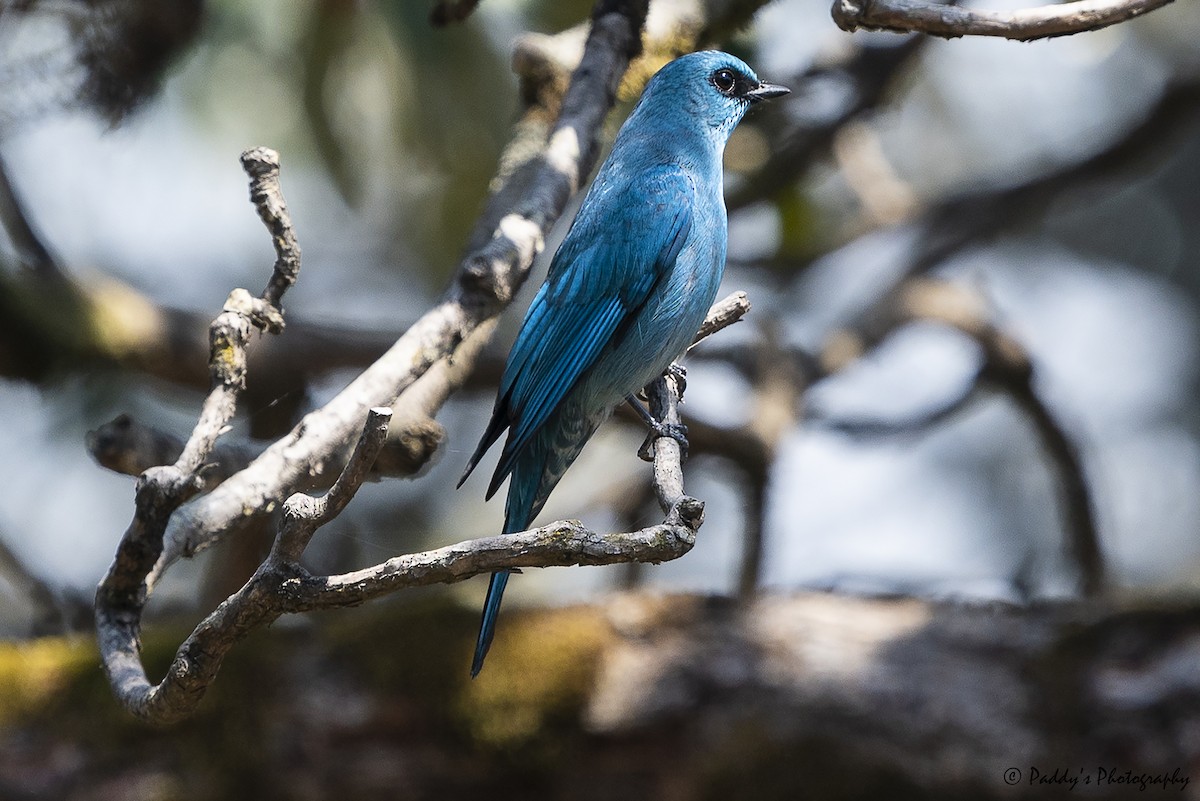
1053,184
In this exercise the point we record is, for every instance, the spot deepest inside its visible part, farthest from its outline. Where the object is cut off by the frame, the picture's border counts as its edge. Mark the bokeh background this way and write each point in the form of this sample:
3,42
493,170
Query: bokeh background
1053,186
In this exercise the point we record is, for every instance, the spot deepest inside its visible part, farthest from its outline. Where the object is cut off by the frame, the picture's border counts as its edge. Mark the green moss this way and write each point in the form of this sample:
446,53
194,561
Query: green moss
33,674
537,677
532,689
404,664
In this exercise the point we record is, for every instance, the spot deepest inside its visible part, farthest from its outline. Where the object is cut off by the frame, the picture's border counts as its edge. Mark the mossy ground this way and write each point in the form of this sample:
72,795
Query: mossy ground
358,699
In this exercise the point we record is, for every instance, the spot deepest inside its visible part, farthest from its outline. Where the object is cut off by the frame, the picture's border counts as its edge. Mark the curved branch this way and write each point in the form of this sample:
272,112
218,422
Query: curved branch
281,586
160,492
262,165
951,21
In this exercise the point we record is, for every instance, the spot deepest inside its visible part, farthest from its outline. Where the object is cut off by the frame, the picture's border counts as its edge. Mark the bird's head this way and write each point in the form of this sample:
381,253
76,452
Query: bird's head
711,87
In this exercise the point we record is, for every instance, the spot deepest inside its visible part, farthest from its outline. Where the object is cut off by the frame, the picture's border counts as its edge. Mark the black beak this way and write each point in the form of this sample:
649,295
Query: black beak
766,91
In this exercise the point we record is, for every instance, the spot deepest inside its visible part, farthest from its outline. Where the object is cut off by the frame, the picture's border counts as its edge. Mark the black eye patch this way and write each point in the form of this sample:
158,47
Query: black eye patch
731,82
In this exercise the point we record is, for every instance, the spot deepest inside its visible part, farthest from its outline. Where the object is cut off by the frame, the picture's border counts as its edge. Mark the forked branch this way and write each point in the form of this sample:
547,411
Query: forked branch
281,585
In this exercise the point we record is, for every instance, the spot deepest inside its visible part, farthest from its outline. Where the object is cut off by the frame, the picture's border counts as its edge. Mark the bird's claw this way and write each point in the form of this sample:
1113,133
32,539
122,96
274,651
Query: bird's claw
679,373
675,431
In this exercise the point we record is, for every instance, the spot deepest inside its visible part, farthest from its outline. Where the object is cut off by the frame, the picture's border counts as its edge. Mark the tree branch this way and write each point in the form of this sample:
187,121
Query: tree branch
162,490
951,21
560,544
281,585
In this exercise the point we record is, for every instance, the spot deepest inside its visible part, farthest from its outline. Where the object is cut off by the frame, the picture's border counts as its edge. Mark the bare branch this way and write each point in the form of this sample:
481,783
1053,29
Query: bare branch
281,586
304,514
724,313
560,544
256,603
663,394
951,21
162,490
262,165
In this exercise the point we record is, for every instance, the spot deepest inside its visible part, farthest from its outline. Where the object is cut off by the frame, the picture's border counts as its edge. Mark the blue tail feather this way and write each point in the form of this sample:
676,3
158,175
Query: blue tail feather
487,627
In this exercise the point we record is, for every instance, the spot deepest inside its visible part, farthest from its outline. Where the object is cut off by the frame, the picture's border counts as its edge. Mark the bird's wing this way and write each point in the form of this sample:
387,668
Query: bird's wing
605,270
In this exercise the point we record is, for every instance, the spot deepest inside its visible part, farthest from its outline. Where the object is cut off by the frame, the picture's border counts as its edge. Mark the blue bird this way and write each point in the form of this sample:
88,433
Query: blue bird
627,289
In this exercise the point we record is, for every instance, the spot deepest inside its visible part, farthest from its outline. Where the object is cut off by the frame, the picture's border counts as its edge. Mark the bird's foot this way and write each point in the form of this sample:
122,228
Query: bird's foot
675,431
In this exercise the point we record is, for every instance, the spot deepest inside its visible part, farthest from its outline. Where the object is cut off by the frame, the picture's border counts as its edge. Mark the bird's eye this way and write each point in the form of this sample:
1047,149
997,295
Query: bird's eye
724,80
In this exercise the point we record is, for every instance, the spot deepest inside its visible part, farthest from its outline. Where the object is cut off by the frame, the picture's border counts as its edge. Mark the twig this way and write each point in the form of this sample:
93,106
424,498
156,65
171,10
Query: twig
304,514
561,544
724,313
1024,25
262,165
663,395
162,490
